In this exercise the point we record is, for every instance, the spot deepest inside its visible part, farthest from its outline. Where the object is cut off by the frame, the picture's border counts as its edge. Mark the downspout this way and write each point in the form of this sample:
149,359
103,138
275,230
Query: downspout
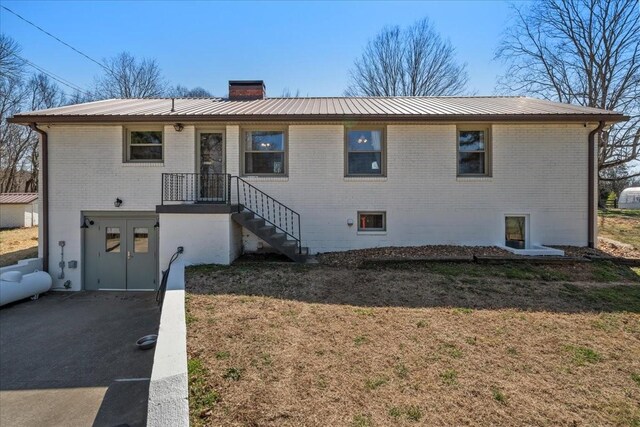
592,184
44,168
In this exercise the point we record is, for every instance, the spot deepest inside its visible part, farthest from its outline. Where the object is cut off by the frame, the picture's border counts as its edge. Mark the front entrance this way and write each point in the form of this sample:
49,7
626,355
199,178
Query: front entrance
212,181
120,253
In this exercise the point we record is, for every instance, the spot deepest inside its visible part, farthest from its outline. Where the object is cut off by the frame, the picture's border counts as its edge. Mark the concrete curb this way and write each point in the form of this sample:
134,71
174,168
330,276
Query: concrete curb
169,387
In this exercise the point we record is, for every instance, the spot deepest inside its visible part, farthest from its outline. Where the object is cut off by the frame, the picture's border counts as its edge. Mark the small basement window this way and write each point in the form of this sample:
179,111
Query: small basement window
144,146
515,232
372,221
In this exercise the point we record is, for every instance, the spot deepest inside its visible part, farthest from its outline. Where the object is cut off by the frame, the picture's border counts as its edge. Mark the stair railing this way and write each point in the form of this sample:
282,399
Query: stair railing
272,211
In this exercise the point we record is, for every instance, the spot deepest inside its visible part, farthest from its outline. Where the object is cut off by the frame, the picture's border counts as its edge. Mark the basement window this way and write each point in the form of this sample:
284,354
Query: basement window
515,232
372,221
144,146
264,152
364,152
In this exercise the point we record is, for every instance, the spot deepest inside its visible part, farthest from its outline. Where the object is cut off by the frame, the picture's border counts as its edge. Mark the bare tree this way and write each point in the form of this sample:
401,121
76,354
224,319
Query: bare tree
585,52
180,91
129,77
414,61
287,93
18,144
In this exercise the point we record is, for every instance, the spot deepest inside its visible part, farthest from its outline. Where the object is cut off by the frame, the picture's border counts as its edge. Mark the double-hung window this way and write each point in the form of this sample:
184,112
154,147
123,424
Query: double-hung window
144,145
264,152
365,152
473,152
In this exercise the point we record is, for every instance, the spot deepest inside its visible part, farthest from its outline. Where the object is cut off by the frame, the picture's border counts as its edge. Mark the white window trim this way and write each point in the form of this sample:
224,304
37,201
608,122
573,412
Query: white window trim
126,158
527,228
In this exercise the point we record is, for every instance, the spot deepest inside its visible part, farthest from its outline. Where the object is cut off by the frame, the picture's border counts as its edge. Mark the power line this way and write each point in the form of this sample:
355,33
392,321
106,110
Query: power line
54,76
56,38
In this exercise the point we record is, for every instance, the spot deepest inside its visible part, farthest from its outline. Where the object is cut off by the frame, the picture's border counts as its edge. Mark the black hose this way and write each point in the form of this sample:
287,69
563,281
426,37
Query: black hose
165,276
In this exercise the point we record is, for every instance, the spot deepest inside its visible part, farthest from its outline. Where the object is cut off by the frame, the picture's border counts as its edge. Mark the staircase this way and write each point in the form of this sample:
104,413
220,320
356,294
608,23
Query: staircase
270,220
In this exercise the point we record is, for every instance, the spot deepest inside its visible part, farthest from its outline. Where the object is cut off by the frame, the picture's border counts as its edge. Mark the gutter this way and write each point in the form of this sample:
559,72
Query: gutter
592,184
422,118
44,168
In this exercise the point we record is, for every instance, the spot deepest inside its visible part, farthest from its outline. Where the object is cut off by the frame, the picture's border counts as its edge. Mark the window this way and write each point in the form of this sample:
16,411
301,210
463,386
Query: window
473,148
365,152
264,152
372,221
112,239
515,231
144,146
140,239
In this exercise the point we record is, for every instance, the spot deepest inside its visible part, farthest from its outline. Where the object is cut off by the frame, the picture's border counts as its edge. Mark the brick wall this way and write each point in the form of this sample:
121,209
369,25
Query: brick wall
538,170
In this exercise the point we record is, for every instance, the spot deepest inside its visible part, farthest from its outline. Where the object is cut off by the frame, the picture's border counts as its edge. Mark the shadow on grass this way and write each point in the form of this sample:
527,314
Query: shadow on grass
598,286
11,258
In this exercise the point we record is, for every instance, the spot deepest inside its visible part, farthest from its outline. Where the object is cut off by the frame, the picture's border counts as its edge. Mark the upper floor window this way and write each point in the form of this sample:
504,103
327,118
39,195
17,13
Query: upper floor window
264,152
473,151
365,152
144,145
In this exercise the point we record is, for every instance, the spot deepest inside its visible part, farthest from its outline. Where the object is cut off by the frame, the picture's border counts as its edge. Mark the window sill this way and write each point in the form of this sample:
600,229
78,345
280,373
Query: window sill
474,178
142,164
365,178
257,178
372,233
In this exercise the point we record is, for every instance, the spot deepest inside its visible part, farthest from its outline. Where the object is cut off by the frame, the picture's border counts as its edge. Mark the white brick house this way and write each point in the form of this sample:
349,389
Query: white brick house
360,172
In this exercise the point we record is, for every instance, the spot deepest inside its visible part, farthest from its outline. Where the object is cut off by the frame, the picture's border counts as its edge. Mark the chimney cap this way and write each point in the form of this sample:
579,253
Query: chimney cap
246,82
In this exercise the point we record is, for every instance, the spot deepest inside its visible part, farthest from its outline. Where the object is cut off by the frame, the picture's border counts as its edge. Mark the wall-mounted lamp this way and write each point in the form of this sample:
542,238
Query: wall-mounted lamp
157,224
117,203
178,127
84,222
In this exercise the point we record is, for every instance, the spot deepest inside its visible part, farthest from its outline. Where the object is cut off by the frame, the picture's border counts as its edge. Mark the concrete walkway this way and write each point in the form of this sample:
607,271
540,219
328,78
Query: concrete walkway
71,359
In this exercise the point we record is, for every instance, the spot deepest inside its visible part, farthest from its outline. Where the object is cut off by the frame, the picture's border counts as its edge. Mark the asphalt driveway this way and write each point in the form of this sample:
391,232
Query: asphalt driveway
71,359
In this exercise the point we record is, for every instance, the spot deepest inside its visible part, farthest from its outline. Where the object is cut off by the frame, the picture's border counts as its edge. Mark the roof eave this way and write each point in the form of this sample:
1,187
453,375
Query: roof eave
580,118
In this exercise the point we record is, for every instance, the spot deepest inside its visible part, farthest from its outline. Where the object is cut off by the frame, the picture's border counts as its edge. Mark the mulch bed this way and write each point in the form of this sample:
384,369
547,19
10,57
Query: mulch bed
356,257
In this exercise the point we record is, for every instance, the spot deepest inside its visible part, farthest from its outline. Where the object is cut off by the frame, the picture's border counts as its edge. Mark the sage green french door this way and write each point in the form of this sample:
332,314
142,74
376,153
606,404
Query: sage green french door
211,167
120,254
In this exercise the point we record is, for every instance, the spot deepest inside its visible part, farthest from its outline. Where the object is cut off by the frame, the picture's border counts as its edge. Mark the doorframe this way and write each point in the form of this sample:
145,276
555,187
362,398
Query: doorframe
117,215
206,129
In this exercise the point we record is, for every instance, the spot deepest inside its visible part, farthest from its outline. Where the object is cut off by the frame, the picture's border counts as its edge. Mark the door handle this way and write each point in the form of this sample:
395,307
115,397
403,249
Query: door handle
129,256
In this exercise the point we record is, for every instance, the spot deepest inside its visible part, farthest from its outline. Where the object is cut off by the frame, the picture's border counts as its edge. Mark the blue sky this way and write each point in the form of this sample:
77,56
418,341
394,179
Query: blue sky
308,46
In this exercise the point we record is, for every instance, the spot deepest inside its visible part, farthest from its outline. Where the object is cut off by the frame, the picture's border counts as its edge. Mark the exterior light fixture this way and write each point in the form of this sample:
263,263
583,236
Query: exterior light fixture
362,140
117,203
157,224
84,222
178,127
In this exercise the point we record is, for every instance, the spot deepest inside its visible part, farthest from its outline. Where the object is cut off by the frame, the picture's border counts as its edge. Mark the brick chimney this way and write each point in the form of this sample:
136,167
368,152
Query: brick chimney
243,90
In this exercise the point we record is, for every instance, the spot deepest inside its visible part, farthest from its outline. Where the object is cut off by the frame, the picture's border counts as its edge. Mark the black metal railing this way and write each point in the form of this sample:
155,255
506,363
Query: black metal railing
196,187
275,213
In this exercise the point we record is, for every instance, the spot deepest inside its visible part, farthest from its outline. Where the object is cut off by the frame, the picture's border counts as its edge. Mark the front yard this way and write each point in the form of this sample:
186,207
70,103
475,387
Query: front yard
414,344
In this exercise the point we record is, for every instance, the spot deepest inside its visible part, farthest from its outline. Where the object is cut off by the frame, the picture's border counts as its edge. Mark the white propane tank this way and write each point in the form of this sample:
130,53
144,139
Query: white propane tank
15,286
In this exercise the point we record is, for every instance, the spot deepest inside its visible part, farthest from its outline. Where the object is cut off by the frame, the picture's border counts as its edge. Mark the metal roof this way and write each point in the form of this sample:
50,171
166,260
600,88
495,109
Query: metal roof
337,108
17,198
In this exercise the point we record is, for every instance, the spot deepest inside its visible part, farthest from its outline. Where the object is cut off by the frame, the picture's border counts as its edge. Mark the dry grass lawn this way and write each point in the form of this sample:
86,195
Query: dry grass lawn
622,225
17,244
445,344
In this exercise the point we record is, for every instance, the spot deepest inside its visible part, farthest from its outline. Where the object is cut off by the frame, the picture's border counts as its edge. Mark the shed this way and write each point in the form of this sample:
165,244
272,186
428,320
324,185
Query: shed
18,210
629,198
